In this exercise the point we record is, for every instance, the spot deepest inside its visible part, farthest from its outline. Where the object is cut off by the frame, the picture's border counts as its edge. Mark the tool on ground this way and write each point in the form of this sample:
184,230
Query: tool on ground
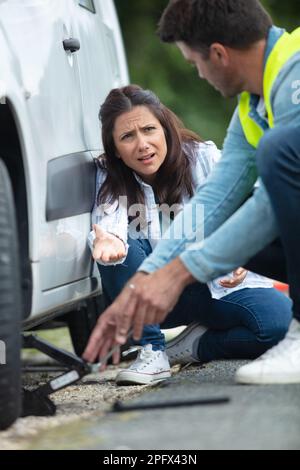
37,402
118,406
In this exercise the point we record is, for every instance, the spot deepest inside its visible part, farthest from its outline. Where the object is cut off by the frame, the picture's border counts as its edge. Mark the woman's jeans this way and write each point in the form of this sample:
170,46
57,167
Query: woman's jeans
243,324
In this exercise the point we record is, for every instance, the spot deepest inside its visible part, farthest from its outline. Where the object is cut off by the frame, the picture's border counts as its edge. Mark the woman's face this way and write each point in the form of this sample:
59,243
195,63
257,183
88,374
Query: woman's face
140,142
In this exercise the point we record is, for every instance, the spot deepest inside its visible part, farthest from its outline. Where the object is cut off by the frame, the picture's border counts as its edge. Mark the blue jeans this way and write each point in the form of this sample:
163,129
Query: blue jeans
278,160
243,324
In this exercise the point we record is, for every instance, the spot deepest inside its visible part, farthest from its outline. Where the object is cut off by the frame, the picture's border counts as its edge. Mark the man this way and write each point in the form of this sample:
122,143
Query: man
236,48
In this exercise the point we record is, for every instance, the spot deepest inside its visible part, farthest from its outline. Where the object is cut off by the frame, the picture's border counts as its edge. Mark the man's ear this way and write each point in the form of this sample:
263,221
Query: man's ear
219,54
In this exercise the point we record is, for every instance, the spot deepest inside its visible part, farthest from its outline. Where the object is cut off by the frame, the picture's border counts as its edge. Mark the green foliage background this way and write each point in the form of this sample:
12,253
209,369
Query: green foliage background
161,67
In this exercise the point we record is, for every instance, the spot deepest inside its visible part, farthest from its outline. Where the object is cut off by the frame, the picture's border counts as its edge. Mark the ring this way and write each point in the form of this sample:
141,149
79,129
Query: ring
131,286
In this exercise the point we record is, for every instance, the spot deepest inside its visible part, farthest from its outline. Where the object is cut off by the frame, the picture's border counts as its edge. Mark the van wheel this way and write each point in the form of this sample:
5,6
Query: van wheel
10,307
81,322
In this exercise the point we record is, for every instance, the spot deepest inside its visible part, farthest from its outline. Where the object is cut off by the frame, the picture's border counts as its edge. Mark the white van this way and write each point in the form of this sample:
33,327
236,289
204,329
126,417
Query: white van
59,59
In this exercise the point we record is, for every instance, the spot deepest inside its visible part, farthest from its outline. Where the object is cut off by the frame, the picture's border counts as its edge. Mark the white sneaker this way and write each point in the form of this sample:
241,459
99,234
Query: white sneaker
279,365
184,348
149,366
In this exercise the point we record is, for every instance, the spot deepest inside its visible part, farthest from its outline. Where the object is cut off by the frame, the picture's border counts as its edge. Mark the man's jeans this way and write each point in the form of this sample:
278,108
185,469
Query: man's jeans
278,161
243,324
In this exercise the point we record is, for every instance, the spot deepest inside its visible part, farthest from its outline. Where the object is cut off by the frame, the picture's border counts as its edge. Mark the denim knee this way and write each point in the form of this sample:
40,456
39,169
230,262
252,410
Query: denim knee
273,335
275,332
266,154
272,154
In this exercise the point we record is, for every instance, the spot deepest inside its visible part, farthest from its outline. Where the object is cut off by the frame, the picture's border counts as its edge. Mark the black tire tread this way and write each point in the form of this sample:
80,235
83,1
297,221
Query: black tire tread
82,321
10,306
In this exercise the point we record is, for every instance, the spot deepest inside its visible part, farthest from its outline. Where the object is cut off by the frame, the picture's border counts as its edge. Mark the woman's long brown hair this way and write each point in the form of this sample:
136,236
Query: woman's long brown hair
174,177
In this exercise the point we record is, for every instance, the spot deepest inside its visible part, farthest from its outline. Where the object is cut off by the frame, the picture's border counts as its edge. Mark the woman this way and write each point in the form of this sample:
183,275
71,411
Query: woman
151,160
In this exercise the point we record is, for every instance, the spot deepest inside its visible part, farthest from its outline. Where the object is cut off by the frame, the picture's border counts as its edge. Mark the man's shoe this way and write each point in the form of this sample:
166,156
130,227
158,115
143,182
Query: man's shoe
150,366
184,348
279,365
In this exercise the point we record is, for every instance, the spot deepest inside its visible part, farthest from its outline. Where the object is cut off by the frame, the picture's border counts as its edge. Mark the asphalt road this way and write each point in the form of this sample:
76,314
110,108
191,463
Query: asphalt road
256,417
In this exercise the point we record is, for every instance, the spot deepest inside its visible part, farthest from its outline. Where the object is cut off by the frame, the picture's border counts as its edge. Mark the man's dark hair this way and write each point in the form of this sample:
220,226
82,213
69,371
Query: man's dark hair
200,23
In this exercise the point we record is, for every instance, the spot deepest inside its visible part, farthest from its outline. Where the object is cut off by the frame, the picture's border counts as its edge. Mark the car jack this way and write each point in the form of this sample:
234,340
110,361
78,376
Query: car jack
37,402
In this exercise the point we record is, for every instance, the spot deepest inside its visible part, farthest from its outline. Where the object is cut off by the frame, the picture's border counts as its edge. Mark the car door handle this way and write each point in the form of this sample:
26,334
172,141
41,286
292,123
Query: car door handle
71,45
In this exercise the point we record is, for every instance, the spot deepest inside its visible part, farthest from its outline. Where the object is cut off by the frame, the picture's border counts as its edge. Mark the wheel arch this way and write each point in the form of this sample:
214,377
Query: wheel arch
12,156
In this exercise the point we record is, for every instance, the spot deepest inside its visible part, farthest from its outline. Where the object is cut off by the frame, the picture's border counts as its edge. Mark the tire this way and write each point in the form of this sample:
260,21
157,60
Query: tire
81,322
10,306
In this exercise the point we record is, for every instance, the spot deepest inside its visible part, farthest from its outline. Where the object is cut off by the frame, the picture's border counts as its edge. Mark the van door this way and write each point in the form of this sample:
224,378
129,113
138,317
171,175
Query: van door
64,255
102,64
57,163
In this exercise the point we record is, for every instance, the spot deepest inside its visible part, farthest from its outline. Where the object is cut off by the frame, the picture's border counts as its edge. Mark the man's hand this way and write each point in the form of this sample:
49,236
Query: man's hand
107,247
155,296
238,277
146,299
103,337
102,340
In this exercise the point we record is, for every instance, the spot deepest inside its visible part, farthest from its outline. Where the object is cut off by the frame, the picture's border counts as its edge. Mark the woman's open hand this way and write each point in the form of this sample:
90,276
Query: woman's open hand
237,278
107,247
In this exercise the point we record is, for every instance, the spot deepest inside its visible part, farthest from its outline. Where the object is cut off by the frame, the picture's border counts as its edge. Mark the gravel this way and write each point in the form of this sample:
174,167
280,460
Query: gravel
93,395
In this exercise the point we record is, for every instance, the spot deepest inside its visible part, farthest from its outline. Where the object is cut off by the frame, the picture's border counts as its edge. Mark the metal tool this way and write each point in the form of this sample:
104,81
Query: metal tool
118,406
37,402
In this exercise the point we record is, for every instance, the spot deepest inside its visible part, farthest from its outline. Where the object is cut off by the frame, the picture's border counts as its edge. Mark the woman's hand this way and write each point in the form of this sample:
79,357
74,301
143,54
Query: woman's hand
107,247
238,277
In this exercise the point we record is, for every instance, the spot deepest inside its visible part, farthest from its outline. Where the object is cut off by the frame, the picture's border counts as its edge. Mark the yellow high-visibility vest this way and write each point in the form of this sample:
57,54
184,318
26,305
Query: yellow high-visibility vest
284,49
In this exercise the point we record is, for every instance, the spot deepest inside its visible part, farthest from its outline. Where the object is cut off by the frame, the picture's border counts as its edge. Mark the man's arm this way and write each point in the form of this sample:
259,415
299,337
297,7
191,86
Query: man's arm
246,232
253,226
